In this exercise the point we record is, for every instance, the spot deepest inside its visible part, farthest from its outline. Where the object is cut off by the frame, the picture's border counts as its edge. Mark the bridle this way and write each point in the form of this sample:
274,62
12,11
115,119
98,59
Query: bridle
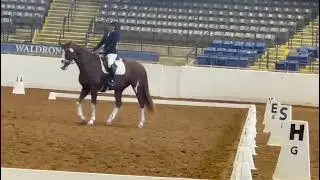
66,62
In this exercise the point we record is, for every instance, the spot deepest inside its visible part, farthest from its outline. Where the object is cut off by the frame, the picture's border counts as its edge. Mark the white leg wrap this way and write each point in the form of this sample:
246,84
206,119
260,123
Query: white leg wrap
80,111
93,111
93,114
113,115
143,118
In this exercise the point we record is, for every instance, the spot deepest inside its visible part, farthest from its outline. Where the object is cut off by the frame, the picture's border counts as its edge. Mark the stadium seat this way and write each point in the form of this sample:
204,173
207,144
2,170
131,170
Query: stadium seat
302,59
217,43
260,47
282,66
203,59
313,52
232,53
238,45
20,18
287,66
293,65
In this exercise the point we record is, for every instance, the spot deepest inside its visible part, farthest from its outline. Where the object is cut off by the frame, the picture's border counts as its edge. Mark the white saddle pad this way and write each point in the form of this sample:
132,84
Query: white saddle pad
121,68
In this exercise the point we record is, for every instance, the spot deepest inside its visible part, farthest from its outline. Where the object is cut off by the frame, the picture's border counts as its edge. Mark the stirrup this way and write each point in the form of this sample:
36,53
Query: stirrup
111,83
110,86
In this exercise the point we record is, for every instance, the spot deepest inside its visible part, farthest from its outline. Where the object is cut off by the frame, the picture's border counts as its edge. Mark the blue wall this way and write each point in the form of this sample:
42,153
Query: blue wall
55,51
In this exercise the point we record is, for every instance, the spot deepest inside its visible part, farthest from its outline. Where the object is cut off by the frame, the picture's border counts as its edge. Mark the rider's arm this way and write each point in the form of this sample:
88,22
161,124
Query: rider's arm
100,43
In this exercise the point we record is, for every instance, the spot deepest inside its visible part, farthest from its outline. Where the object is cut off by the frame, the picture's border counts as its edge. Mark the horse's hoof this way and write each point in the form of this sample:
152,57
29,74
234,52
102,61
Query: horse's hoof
140,126
82,122
108,123
91,123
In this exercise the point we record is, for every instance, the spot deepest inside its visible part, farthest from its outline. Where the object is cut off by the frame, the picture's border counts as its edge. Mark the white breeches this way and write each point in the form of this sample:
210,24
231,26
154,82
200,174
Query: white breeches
111,59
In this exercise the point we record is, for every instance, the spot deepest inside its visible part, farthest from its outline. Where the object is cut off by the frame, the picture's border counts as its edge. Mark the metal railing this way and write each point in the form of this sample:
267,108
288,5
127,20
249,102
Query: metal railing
190,57
89,32
67,19
314,37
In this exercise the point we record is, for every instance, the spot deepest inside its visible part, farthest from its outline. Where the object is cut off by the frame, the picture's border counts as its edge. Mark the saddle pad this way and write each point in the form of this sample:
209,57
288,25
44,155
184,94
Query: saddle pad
121,68
102,66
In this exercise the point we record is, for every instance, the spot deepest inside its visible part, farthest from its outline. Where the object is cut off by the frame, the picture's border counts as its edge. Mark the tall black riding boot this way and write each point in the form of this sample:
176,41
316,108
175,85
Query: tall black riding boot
111,82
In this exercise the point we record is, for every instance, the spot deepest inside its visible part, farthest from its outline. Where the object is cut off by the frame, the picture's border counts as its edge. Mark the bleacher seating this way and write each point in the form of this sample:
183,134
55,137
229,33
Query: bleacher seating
22,14
188,22
287,66
231,53
302,58
312,51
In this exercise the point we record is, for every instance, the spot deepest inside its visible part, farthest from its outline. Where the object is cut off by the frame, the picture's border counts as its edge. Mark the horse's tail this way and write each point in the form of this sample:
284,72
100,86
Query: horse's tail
147,96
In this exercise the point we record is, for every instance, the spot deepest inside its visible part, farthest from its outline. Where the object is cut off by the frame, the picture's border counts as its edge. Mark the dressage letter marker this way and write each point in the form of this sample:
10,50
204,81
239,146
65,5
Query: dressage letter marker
268,109
272,115
277,136
18,87
294,158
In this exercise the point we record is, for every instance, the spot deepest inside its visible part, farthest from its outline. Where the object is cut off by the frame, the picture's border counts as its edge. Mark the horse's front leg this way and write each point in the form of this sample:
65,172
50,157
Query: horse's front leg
118,103
94,94
83,94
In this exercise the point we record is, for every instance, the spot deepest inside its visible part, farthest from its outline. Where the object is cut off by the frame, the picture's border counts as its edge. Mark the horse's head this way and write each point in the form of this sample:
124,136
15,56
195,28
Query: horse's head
69,54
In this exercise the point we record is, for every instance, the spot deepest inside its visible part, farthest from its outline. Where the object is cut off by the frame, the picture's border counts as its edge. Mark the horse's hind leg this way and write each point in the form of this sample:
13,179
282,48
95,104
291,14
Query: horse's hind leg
83,94
142,101
118,103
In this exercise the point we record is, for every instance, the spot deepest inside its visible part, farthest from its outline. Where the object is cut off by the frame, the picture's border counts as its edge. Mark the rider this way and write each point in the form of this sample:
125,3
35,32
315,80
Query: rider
110,40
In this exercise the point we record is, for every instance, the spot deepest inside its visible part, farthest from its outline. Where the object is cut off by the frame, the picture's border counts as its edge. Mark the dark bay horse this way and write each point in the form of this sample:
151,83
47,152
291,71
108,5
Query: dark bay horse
92,76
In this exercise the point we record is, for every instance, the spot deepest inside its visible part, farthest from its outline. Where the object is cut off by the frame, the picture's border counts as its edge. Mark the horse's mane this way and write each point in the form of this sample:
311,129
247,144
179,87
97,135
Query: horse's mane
82,50
78,48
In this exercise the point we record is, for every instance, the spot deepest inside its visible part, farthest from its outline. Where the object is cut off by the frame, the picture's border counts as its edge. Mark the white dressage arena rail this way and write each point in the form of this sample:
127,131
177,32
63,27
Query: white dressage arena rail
54,95
243,163
34,174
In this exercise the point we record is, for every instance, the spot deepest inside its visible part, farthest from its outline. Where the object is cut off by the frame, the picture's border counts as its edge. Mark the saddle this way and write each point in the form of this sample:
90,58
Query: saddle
104,61
109,77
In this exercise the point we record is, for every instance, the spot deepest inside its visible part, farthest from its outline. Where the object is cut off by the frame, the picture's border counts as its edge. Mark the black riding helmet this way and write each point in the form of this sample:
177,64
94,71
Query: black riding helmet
115,24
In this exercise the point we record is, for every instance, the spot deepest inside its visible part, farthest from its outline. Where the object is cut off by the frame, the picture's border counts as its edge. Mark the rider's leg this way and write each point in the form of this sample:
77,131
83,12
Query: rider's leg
111,59
112,67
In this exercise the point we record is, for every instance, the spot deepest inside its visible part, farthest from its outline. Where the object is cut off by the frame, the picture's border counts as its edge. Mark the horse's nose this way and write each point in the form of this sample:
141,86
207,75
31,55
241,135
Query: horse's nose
62,61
